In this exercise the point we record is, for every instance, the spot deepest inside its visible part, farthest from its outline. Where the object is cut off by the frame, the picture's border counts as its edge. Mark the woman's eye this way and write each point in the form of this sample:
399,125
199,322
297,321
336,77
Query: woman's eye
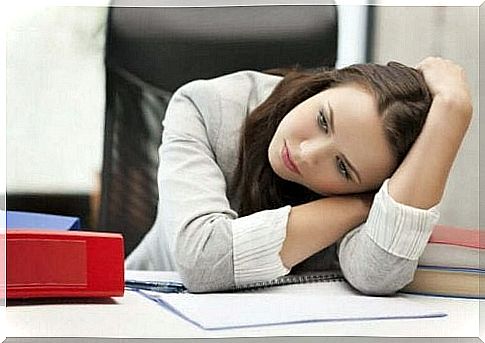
342,168
322,121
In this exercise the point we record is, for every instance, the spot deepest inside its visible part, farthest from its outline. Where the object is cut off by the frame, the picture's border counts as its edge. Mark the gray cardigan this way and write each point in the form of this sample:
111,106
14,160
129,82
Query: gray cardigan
199,233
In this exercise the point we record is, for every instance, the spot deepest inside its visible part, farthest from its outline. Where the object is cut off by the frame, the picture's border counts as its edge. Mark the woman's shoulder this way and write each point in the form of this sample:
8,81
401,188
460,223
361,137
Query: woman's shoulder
243,87
246,78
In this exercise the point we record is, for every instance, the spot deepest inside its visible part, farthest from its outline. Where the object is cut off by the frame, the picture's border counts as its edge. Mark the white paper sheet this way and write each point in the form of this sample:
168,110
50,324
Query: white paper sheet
237,310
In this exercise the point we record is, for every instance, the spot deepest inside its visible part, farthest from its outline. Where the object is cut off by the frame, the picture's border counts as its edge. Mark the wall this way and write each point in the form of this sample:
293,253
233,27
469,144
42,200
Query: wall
409,34
55,98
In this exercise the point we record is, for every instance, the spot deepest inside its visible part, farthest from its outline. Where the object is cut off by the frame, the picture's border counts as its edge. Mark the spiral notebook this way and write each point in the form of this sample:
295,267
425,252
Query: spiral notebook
293,279
305,298
170,282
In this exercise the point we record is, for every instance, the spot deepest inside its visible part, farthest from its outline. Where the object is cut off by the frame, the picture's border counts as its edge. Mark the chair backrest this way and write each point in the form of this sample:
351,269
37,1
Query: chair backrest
151,51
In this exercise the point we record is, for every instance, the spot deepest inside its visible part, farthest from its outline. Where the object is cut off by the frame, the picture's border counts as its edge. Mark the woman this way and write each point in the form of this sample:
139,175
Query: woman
260,175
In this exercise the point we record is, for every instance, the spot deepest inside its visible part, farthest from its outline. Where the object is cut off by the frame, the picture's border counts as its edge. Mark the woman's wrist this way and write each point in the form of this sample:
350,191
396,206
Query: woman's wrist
458,101
450,113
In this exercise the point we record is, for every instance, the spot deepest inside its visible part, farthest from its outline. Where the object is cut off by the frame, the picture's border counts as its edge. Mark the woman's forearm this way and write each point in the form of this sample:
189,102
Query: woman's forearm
318,224
421,178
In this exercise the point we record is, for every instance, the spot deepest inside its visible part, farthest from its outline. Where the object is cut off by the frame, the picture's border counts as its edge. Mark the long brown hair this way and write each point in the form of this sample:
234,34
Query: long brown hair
403,101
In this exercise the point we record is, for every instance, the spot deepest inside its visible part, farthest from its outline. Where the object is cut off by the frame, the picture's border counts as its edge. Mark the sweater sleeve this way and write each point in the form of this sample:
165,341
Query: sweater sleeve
381,255
213,248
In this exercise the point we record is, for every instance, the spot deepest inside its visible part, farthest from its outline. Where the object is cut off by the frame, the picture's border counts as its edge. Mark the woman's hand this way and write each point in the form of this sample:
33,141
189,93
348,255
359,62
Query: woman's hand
448,85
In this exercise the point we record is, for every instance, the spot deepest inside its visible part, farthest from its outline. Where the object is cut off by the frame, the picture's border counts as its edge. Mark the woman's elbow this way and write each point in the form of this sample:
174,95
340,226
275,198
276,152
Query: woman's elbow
195,281
205,266
199,276
383,281
371,269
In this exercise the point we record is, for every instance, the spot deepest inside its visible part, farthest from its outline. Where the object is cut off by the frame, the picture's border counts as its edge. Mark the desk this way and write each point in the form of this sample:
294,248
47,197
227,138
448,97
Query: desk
135,316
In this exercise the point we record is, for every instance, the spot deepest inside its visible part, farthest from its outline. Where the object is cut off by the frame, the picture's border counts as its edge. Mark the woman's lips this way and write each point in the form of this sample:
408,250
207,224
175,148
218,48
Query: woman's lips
286,157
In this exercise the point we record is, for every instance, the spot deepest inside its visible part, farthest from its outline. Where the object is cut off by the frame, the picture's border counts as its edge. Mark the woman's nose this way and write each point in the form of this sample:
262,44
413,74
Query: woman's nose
313,151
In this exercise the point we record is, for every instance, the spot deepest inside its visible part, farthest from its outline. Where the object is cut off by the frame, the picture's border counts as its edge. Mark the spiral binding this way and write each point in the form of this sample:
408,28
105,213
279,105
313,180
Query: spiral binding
293,279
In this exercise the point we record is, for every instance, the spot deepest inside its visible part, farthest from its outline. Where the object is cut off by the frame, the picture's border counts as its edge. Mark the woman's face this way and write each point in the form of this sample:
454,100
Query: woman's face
336,142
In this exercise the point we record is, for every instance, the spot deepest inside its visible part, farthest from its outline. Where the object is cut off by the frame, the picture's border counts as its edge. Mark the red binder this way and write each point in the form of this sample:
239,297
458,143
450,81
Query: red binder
44,263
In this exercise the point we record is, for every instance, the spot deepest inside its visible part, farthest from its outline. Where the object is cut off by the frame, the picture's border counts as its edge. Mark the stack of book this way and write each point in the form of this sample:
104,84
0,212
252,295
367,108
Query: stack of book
450,265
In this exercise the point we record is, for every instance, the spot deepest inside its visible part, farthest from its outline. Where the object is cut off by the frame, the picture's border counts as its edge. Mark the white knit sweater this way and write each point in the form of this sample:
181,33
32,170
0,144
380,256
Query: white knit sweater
199,233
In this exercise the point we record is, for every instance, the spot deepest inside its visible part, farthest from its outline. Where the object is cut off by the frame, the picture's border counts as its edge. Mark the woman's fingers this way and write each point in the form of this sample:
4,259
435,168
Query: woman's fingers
431,60
447,82
443,76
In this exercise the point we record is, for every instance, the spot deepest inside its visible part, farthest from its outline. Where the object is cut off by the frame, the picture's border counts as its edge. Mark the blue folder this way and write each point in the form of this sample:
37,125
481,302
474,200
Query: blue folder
29,220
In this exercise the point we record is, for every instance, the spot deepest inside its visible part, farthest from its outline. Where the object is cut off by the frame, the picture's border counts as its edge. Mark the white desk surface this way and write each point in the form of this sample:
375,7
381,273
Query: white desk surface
135,316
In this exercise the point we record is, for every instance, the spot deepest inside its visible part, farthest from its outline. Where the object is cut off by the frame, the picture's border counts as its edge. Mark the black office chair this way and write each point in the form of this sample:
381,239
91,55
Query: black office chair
151,51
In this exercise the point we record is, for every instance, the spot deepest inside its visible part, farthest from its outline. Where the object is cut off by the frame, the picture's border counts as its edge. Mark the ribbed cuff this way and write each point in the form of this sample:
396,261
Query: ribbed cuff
257,241
400,229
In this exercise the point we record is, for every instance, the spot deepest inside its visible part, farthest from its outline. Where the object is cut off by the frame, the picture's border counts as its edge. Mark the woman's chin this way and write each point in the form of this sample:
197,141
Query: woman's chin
280,171
283,176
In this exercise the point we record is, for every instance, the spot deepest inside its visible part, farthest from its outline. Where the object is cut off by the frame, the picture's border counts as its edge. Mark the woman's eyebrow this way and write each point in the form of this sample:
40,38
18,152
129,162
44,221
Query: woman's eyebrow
332,130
